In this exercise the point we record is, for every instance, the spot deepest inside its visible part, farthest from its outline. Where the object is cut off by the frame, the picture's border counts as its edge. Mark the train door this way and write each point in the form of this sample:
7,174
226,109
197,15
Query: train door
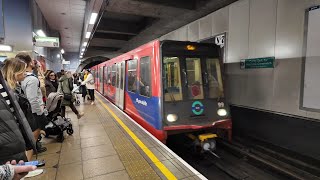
101,80
120,84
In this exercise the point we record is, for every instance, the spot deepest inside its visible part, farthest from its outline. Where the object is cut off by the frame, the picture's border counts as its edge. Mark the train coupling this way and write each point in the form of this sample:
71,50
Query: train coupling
207,141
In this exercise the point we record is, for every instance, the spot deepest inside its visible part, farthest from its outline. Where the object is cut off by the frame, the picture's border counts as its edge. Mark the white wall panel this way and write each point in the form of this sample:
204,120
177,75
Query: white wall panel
193,31
220,21
286,88
205,27
183,33
238,31
262,31
290,27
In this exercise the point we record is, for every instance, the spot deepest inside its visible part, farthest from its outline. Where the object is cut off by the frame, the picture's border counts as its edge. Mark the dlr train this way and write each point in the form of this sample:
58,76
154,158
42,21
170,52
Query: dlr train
170,87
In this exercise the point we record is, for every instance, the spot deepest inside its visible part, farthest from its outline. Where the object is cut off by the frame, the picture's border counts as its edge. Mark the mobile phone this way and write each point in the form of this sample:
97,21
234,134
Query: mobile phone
30,163
33,163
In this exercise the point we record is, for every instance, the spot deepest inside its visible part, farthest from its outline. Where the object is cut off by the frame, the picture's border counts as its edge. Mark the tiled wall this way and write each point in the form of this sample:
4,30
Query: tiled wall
259,28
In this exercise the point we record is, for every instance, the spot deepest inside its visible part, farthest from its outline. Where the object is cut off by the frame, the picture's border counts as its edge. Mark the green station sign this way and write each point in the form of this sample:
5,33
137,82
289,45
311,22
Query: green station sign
266,62
46,41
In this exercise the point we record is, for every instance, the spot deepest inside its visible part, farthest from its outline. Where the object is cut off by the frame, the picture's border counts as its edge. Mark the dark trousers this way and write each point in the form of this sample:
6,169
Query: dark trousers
91,94
73,108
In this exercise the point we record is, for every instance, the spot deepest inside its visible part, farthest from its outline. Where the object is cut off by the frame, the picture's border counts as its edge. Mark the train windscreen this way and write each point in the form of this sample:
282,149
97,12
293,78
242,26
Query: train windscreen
191,71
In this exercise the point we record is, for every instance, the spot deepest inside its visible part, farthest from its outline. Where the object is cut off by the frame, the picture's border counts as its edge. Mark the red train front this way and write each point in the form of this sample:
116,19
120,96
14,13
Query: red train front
169,87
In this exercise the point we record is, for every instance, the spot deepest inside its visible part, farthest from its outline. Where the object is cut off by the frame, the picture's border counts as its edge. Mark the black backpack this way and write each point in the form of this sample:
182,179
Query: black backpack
25,105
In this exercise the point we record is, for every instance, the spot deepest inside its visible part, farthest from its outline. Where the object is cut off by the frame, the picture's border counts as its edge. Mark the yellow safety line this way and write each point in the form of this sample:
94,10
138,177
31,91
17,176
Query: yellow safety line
165,171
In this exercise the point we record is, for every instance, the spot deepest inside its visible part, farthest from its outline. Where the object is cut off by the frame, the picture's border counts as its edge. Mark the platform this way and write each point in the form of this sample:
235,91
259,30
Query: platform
107,144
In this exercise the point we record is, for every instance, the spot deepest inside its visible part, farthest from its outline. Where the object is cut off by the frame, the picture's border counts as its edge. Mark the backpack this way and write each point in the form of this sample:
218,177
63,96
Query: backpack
24,104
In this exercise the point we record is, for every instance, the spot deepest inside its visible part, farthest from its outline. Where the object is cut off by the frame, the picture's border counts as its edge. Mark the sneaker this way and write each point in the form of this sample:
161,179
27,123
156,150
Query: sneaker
43,132
80,115
34,173
92,103
40,148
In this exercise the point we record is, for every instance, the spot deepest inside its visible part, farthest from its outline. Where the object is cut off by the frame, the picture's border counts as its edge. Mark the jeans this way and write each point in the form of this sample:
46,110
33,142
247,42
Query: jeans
91,94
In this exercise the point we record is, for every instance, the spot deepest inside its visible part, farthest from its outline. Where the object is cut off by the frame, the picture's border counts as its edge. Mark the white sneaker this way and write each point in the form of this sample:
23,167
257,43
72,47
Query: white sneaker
92,103
34,173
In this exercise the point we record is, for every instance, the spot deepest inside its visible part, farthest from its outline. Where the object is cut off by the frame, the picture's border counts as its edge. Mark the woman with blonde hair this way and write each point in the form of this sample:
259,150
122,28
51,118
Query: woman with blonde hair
13,72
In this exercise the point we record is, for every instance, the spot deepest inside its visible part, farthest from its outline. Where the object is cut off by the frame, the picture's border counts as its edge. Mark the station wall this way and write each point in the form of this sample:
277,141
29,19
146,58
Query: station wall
259,28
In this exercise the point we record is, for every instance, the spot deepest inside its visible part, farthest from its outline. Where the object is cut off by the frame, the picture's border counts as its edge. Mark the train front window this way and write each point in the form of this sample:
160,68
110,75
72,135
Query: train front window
194,77
172,79
214,78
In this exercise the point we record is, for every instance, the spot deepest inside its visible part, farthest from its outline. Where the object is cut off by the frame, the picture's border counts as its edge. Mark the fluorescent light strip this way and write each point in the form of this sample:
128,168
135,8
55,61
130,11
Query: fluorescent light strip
88,34
85,44
62,51
93,18
6,48
83,49
41,33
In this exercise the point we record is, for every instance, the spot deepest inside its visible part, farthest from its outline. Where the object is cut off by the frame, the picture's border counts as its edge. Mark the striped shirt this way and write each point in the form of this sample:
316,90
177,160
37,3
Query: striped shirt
4,94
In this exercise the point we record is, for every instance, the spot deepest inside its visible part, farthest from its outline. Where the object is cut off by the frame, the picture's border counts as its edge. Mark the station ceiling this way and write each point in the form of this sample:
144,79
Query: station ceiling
127,24
122,24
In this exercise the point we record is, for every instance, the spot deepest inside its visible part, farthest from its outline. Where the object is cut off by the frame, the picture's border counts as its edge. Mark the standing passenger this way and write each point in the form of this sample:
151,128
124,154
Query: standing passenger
13,72
66,87
51,82
89,82
31,87
15,134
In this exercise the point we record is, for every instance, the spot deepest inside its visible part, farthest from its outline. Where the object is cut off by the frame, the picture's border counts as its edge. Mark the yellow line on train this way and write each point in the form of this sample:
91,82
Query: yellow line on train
165,171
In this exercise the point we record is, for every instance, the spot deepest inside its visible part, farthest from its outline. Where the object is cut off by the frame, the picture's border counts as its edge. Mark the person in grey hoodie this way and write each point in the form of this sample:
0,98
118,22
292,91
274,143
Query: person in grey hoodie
31,88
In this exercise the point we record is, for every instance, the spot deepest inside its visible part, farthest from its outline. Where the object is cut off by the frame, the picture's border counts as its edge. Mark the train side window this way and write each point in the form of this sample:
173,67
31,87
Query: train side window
145,77
113,75
172,79
132,75
109,75
214,78
121,75
105,78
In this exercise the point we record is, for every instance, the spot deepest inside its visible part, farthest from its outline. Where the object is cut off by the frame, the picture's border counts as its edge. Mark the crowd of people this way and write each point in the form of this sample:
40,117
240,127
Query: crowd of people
24,88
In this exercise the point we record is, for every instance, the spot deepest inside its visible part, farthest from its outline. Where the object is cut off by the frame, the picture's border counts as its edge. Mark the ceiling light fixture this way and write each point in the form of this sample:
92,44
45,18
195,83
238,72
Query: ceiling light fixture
85,44
62,51
88,34
93,18
58,55
41,33
6,48
81,56
83,49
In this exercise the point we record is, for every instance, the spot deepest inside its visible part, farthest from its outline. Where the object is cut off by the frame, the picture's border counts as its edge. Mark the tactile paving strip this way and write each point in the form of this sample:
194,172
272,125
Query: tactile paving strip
136,166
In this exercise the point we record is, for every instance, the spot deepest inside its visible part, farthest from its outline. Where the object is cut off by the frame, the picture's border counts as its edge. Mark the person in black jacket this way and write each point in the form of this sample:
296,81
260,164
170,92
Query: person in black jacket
15,133
51,82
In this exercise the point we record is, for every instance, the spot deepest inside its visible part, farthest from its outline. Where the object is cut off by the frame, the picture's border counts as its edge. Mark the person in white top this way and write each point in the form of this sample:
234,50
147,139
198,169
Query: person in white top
89,82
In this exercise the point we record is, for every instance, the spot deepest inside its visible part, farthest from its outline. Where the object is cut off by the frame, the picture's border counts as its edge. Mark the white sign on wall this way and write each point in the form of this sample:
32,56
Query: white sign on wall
219,40
65,62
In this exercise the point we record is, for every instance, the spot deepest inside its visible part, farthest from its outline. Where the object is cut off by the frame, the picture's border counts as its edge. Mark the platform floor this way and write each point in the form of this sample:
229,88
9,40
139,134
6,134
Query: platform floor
106,144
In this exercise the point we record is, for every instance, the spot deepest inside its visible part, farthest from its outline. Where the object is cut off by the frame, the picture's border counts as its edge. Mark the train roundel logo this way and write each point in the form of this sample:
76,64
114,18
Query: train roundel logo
197,108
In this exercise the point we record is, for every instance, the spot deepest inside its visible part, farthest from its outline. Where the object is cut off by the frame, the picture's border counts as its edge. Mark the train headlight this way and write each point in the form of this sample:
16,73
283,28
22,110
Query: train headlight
172,117
222,112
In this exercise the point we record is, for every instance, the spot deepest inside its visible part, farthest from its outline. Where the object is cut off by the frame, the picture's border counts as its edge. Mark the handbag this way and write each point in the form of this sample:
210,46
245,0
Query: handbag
67,97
